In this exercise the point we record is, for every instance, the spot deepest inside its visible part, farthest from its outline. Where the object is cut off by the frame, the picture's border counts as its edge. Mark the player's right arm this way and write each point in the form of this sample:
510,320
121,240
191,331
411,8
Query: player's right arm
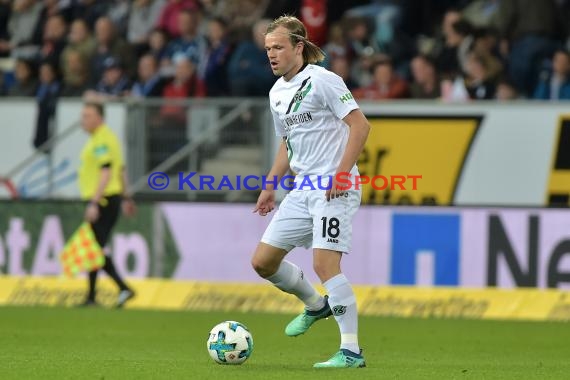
280,166
266,200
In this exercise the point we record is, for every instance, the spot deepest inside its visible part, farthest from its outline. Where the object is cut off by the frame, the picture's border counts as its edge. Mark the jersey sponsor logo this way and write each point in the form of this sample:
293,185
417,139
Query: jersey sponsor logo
346,97
296,119
101,150
331,240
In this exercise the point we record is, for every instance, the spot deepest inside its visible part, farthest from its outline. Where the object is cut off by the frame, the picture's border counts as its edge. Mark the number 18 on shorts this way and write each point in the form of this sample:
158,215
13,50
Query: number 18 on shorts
307,219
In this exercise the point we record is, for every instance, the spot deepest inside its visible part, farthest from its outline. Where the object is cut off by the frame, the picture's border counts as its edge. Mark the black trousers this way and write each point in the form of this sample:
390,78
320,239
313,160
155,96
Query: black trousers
108,216
102,228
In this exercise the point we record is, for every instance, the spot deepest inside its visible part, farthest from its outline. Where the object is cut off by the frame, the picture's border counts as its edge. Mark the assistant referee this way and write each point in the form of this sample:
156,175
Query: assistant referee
103,184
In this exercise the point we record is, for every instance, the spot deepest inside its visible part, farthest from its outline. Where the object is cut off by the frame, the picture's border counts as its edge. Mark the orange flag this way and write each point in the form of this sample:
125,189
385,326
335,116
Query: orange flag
82,252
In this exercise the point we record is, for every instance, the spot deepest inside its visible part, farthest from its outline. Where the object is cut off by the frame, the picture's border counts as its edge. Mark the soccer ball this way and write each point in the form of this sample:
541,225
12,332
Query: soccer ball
230,342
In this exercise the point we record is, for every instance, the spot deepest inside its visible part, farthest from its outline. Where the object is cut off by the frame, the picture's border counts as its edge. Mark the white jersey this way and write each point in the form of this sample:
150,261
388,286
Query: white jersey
308,112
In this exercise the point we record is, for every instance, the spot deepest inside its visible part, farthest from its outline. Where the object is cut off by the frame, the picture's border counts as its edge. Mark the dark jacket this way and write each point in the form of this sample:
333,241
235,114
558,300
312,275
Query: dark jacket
543,89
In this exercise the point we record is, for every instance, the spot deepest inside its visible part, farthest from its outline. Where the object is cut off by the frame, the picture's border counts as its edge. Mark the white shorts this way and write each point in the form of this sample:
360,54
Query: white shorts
306,219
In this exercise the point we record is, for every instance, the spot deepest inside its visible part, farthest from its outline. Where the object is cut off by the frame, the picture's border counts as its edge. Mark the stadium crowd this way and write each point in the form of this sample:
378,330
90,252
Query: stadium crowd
453,50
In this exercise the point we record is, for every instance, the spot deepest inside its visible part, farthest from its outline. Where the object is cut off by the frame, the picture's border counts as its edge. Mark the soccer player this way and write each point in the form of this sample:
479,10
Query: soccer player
323,133
103,183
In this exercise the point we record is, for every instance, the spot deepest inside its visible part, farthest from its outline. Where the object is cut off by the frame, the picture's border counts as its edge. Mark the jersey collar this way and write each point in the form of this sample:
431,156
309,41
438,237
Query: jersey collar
298,72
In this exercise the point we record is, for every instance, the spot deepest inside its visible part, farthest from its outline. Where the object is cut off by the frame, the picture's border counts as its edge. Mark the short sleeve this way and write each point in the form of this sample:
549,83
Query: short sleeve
336,96
279,129
102,153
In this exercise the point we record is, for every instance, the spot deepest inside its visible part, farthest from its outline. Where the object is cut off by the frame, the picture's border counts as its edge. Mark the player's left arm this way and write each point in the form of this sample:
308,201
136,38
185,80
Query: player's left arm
104,178
92,210
340,101
359,130
102,154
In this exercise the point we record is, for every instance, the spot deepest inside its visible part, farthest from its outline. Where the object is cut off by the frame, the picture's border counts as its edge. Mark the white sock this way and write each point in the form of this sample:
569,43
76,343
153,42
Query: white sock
343,305
290,279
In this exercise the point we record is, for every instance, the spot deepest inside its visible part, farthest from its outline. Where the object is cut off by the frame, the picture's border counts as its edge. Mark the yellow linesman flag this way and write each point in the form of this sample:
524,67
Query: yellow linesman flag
82,252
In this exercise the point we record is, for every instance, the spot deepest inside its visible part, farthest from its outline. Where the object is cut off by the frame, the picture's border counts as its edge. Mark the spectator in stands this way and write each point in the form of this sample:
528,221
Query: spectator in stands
506,91
241,14
426,83
185,84
477,82
5,11
189,44
149,83
337,45
452,59
481,13
47,95
79,40
340,65
214,63
554,84
529,31
26,83
486,47
158,42
50,8
118,12
108,44
363,48
169,19
143,16
450,17
21,25
434,45
386,84
75,75
54,40
114,83
387,30
248,71
90,11
453,90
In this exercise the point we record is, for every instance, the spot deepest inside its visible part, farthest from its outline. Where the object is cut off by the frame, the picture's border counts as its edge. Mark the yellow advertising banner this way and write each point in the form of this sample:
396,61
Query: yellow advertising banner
434,148
387,301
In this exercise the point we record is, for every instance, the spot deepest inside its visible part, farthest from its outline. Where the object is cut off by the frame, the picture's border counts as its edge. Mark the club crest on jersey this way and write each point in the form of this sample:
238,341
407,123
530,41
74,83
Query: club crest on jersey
300,94
298,98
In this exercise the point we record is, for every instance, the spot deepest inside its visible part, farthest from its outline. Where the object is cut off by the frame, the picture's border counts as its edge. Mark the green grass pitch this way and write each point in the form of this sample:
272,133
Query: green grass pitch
56,343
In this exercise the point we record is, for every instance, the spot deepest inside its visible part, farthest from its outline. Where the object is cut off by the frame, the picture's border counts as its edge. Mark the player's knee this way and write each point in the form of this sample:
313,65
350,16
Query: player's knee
263,268
325,271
